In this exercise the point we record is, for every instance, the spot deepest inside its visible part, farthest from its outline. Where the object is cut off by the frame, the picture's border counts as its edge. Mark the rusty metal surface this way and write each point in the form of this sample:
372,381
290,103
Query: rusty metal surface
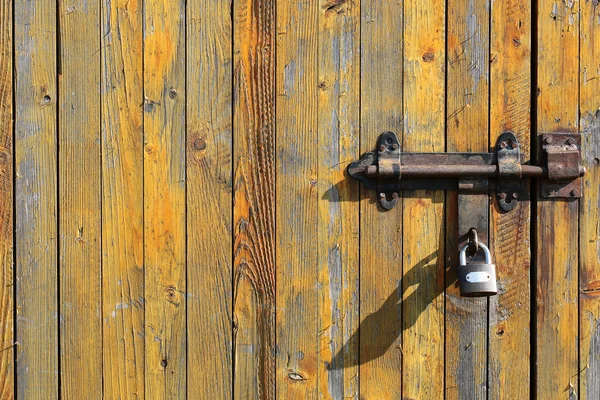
561,152
389,171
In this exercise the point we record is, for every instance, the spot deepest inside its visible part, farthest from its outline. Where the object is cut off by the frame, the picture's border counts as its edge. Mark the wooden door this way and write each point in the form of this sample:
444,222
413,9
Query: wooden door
176,220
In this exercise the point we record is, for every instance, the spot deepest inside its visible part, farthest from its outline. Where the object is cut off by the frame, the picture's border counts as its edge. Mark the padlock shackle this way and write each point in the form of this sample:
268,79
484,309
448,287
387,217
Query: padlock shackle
462,256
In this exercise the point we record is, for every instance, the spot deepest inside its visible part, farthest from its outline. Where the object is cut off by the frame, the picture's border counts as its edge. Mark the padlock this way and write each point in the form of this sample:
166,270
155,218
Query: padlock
477,279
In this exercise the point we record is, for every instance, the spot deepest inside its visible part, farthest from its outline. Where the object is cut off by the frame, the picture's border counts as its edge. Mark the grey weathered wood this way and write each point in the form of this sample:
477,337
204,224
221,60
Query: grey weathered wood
36,90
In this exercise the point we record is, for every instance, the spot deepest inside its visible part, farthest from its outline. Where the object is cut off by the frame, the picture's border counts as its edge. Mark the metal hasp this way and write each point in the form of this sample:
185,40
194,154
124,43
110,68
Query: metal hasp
388,170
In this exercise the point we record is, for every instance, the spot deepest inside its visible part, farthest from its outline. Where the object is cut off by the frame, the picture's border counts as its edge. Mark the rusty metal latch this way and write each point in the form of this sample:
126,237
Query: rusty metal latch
388,170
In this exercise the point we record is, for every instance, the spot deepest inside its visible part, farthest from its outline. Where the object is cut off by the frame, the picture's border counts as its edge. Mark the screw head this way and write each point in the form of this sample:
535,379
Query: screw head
551,191
514,145
382,195
548,140
382,147
515,195
502,196
395,146
502,145
575,192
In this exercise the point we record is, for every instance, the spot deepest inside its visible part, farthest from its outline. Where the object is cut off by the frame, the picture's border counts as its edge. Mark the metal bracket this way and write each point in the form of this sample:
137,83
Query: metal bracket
388,170
562,153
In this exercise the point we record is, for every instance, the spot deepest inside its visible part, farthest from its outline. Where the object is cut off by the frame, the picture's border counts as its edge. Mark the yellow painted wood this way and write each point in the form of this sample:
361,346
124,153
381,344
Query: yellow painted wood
467,94
338,220
380,350
36,91
122,200
254,210
7,382
79,200
423,213
209,194
164,200
589,216
297,195
557,222
510,96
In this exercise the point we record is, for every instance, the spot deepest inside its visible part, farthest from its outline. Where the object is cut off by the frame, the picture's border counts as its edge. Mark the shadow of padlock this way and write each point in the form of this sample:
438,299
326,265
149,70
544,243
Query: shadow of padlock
477,279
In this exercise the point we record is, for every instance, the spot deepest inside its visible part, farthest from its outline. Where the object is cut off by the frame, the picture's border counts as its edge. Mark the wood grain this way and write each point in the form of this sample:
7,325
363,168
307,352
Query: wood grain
509,315
589,216
122,200
338,219
36,91
7,303
164,200
209,194
423,213
80,200
557,221
467,94
297,195
380,331
254,201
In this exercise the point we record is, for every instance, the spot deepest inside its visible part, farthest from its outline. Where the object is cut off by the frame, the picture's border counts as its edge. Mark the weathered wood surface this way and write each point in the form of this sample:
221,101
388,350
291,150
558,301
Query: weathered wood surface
79,199
209,197
423,235
589,213
380,331
184,227
254,199
467,105
36,94
509,330
338,219
165,292
7,340
122,200
557,220
296,246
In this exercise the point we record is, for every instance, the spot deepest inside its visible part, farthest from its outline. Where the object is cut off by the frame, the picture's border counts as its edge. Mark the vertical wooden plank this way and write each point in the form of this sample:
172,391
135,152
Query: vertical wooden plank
509,326
338,124
557,220
381,102
122,200
36,226
467,131
164,199
589,217
209,194
254,211
80,200
423,214
296,199
6,202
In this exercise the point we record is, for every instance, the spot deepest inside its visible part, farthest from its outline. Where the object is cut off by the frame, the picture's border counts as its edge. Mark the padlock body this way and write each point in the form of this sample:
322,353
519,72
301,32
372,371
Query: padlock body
477,280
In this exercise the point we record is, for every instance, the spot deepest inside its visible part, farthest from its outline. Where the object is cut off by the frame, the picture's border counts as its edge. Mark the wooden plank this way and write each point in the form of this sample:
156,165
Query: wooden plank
296,200
380,354
589,216
7,352
122,200
557,220
80,200
467,131
209,198
254,211
338,219
509,315
423,213
36,226
164,199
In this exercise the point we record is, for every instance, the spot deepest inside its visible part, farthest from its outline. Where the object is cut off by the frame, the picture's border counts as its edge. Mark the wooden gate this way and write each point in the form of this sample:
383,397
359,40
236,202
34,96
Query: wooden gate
175,219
